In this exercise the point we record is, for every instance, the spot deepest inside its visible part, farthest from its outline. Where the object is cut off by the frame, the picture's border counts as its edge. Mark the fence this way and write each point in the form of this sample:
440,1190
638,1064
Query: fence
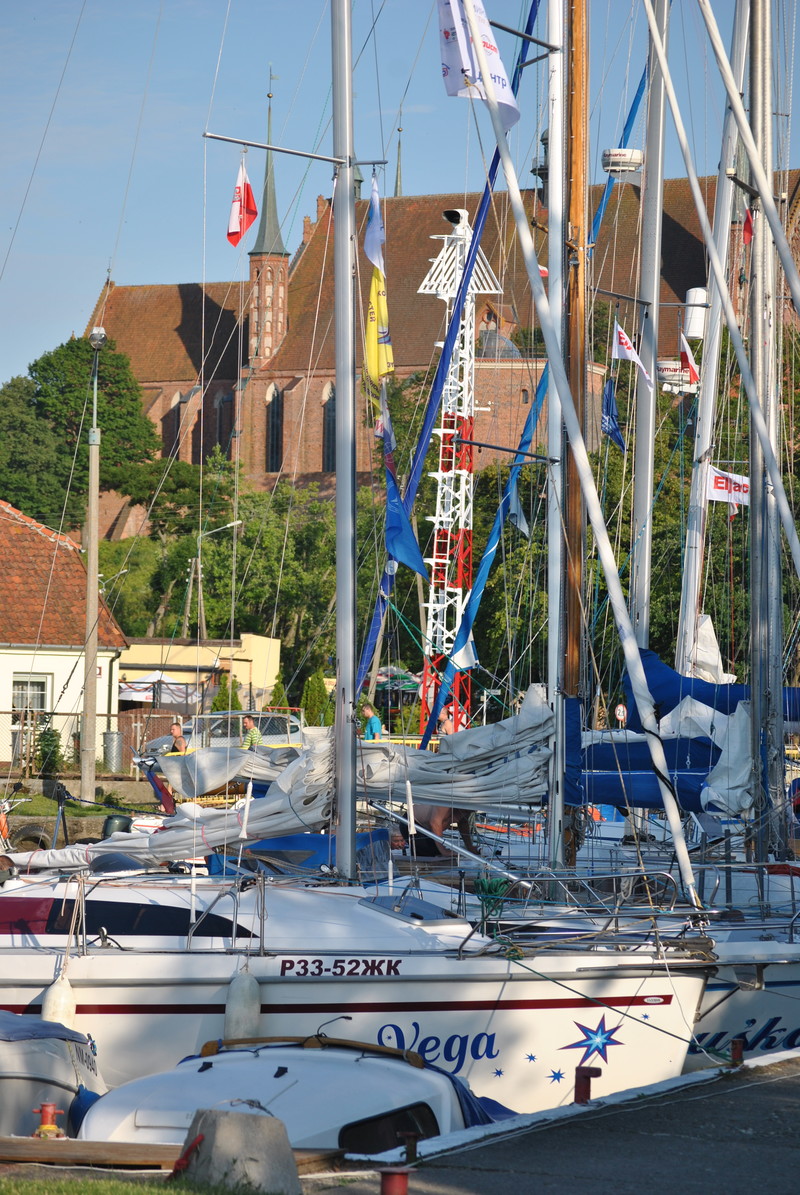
38,742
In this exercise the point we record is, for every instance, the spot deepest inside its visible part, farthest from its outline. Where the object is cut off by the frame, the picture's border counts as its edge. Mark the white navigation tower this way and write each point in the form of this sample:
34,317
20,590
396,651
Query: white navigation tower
451,562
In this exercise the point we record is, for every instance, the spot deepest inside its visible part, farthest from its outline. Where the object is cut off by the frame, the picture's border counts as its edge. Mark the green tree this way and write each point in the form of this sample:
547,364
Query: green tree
63,401
227,696
33,464
316,701
278,697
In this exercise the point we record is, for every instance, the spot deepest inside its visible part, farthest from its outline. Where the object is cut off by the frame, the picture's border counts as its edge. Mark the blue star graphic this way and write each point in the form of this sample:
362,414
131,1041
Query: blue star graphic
556,1076
645,1016
595,1041
498,1074
531,1057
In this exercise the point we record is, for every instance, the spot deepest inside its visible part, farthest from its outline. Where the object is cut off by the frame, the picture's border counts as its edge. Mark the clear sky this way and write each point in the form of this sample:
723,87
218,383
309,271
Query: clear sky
103,105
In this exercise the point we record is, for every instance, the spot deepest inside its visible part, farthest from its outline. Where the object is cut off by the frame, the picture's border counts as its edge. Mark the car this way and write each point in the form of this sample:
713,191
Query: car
279,728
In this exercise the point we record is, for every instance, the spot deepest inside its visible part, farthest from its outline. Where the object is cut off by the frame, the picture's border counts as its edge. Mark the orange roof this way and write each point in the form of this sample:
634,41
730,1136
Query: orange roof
43,588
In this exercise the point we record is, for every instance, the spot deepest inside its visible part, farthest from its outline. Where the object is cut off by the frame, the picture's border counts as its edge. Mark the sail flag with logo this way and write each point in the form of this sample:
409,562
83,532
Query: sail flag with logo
459,66
623,350
688,363
728,487
243,207
401,542
609,419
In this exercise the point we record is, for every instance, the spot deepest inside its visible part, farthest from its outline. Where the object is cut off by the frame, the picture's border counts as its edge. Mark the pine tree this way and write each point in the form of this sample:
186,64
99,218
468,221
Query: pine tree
316,701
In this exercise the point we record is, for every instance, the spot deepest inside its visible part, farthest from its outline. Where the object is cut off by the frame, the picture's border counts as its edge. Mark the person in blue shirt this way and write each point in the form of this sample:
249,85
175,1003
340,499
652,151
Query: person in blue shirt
372,726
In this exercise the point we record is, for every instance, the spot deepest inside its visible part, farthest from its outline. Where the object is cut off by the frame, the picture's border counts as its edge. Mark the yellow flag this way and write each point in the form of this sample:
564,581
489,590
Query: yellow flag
378,356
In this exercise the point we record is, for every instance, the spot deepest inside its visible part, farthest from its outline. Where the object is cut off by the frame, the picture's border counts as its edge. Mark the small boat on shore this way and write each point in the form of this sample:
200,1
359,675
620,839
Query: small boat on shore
389,1092
44,1062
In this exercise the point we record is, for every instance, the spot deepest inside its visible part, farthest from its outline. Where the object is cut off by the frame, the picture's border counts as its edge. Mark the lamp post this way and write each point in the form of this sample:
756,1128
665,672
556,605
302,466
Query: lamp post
97,339
201,610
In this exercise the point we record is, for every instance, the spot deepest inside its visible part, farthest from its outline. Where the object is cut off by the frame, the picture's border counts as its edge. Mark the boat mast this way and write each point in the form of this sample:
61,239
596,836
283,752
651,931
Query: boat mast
650,293
766,605
686,646
344,318
556,447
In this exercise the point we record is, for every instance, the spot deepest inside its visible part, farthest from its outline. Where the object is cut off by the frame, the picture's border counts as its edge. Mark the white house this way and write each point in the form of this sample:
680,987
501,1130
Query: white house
42,630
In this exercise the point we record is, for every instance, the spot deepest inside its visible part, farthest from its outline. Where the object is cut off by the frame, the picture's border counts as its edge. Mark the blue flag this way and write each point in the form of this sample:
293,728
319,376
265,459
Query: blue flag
401,542
609,421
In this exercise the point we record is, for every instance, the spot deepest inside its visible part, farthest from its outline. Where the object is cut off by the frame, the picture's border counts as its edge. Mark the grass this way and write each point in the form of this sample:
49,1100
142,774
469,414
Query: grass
100,1185
37,805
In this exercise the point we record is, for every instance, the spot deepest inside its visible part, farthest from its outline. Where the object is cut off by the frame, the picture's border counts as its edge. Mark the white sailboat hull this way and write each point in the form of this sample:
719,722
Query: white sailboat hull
513,1024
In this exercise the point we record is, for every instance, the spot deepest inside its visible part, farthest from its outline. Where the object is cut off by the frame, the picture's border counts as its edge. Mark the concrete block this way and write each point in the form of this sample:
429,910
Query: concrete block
240,1150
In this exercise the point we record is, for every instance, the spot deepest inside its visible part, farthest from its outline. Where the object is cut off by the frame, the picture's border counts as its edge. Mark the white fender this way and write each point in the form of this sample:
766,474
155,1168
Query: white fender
58,1002
243,1006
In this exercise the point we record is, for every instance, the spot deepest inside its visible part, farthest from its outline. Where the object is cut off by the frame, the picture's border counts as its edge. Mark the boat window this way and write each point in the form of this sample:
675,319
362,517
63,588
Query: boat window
380,1133
409,908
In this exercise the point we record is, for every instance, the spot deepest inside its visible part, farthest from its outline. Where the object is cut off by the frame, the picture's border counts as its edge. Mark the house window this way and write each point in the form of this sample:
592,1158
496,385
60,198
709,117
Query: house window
30,691
274,430
329,429
526,398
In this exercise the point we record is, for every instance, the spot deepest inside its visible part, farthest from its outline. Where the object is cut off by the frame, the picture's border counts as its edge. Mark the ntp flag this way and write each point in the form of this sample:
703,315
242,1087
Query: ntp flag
459,64
243,207
623,350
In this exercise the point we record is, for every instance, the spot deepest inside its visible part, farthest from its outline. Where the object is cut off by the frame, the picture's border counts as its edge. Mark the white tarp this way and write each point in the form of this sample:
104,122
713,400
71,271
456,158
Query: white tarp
160,687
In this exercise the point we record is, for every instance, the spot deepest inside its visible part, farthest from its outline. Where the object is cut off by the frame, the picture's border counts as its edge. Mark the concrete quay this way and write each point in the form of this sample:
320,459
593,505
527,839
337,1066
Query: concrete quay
712,1133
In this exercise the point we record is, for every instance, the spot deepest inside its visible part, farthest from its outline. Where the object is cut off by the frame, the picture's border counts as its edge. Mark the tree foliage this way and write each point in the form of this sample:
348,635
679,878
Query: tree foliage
63,381
33,465
316,702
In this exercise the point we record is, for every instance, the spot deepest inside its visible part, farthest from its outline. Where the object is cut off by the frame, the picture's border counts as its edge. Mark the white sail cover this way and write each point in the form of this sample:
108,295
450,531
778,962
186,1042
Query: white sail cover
490,766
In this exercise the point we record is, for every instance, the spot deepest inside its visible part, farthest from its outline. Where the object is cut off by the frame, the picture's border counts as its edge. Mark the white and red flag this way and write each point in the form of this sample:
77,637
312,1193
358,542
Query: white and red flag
688,364
623,350
243,207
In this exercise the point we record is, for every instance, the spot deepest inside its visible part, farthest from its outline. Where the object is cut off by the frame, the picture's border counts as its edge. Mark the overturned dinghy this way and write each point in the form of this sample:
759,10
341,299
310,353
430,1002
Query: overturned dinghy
42,1061
300,1081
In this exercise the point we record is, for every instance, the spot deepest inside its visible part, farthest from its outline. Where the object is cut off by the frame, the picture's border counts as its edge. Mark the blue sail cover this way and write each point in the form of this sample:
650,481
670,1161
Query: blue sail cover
669,688
620,773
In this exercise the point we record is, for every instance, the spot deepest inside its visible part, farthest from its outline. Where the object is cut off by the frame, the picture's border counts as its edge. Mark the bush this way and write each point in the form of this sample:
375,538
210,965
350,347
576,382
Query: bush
48,757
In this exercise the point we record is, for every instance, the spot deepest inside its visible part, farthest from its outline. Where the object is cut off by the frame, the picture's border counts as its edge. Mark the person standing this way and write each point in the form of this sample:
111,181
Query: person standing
179,746
446,724
372,726
252,735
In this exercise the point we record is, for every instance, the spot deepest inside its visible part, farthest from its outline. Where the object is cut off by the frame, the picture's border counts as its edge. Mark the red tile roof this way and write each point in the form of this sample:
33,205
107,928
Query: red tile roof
161,329
43,588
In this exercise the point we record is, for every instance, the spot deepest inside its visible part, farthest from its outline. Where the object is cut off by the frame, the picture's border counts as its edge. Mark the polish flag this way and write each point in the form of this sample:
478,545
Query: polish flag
688,361
243,207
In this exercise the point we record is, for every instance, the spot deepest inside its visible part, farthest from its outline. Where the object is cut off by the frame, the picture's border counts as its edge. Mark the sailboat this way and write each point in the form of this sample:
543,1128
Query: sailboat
159,963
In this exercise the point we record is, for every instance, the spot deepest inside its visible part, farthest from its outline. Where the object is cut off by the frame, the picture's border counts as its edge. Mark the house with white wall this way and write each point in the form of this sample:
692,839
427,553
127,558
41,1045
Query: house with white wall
42,634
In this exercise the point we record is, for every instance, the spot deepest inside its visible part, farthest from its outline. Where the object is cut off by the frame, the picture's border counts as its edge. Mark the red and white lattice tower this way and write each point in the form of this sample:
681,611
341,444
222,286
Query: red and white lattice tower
451,563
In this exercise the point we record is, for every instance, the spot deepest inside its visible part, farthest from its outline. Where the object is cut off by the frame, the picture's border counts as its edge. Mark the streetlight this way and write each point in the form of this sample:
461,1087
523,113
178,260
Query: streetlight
97,338
201,610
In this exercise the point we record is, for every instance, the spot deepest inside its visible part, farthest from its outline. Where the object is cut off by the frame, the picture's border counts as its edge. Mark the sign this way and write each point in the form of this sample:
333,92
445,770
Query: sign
621,713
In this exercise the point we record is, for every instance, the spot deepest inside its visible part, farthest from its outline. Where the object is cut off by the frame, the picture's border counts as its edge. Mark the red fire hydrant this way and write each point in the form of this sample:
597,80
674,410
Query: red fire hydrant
48,1126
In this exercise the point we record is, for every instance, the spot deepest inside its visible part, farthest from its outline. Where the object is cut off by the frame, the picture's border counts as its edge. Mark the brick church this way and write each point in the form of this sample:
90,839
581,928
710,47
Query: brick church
257,357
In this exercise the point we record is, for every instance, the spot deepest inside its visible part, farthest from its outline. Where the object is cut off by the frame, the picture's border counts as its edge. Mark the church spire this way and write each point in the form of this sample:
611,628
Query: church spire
398,178
268,238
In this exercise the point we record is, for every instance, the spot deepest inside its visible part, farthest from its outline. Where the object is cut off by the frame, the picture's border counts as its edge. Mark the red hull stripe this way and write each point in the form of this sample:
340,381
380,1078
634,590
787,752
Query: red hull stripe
373,1006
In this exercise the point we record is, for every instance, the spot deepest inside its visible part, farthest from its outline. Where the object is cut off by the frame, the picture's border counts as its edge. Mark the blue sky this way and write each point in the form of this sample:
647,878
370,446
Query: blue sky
107,167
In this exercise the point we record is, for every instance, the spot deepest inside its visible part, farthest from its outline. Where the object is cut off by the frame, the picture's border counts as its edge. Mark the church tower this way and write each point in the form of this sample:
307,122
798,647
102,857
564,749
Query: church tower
269,272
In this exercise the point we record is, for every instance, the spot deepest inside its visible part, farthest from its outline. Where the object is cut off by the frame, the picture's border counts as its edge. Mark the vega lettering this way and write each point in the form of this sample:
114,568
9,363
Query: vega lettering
451,1053
771,1035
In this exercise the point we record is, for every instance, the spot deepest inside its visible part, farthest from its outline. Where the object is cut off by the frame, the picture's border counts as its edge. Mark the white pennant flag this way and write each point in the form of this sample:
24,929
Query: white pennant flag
623,350
728,487
459,63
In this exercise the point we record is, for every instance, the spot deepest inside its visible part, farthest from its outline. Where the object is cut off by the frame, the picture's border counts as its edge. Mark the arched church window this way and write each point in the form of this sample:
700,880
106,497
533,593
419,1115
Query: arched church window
274,454
329,429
